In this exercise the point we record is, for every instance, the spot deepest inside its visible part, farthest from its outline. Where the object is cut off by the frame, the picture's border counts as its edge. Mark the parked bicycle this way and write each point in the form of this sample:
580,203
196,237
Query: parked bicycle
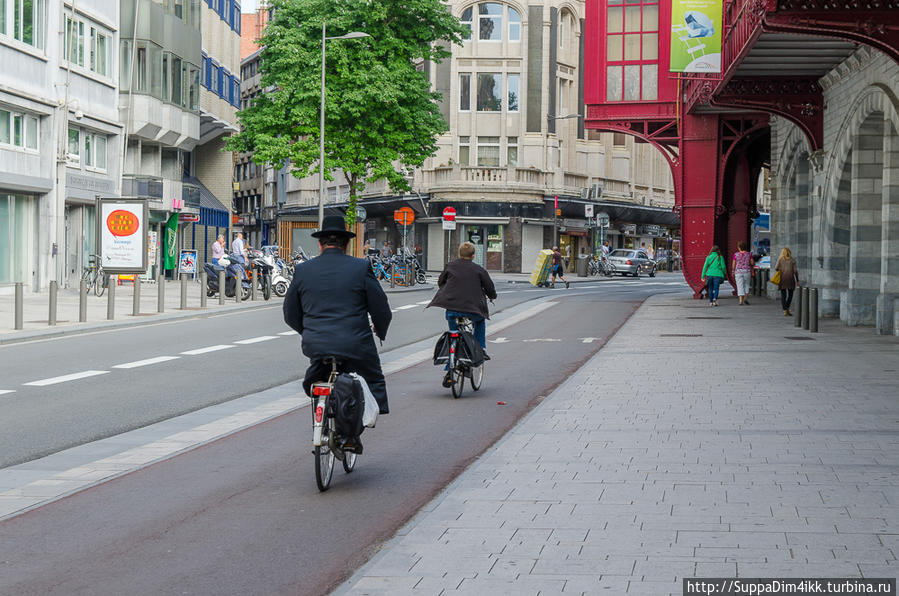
326,444
94,276
600,265
460,365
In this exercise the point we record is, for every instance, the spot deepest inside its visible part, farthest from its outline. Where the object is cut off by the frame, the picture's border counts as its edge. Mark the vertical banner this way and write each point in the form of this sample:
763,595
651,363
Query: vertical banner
170,259
696,35
123,235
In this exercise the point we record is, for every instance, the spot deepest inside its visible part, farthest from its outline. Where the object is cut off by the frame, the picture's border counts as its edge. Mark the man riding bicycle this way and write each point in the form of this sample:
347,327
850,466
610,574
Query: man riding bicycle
464,287
329,303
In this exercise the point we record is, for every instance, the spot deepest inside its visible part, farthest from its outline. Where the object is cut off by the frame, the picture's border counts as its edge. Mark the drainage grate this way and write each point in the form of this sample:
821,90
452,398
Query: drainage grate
799,338
680,335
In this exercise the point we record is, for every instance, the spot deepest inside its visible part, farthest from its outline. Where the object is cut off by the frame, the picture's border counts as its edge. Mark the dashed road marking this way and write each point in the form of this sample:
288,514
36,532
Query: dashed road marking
206,350
499,340
288,333
5,391
147,362
255,340
588,340
406,307
540,339
64,378
424,302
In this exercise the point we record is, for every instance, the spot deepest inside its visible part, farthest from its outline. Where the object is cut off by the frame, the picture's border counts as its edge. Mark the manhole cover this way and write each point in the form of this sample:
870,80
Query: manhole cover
680,335
799,338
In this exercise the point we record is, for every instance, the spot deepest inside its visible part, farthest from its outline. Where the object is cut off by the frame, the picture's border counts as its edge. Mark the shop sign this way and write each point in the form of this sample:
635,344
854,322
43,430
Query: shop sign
652,230
629,229
574,223
696,35
123,235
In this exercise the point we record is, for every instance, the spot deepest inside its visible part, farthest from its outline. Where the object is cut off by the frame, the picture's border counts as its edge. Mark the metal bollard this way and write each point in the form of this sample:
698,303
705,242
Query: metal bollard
813,310
804,296
238,289
160,292
221,287
20,319
54,289
797,309
766,275
253,283
135,302
110,304
203,289
82,301
183,279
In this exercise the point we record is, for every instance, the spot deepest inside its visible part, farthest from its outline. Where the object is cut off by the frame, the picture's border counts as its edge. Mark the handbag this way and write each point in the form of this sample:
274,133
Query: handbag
775,279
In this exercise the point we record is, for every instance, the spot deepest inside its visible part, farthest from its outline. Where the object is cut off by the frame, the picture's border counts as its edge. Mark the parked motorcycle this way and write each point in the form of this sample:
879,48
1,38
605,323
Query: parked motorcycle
233,271
264,264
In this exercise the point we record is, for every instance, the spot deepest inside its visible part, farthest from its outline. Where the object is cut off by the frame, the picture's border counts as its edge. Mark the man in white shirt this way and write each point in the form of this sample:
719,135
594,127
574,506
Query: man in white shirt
238,249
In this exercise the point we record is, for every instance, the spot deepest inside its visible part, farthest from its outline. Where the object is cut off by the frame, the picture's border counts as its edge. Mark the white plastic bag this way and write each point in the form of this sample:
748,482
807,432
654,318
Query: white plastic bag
370,412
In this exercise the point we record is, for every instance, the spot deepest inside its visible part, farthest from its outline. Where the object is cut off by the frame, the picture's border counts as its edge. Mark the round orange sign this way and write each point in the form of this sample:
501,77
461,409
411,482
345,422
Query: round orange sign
404,216
122,223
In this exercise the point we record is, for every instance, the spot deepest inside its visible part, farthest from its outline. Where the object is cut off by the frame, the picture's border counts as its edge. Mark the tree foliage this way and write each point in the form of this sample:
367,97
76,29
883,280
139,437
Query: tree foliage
379,111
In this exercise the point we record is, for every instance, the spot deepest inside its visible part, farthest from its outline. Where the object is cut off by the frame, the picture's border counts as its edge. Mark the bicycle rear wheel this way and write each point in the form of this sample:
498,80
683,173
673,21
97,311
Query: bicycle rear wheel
324,463
477,376
457,377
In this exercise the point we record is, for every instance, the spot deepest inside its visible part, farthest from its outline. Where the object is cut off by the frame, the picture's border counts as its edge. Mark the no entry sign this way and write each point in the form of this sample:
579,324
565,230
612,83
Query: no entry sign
449,214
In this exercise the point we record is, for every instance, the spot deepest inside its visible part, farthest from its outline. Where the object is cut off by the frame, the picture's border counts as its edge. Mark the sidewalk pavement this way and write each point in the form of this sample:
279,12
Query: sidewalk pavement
699,442
36,308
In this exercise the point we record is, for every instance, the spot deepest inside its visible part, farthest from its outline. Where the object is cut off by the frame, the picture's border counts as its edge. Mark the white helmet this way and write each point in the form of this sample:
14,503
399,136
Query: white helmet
224,261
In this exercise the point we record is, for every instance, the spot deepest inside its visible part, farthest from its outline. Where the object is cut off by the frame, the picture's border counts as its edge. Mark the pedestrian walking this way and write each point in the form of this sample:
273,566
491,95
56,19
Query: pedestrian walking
557,268
789,279
742,269
218,249
713,273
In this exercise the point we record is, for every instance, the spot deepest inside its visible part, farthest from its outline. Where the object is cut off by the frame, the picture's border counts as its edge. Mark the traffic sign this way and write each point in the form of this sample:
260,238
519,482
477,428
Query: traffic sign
449,214
602,219
361,214
449,225
404,216
588,210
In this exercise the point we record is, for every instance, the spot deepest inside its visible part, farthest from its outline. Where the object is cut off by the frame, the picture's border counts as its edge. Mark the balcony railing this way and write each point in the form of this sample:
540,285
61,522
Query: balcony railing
146,187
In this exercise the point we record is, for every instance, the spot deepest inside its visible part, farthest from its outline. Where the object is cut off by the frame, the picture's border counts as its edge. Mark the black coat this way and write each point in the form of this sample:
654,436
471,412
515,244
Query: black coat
328,303
464,287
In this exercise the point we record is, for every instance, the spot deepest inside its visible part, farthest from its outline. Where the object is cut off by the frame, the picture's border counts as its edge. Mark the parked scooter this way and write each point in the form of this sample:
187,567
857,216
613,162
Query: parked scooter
233,271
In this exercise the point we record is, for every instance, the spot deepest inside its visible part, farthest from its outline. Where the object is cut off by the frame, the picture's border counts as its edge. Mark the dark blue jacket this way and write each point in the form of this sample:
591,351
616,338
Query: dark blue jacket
328,303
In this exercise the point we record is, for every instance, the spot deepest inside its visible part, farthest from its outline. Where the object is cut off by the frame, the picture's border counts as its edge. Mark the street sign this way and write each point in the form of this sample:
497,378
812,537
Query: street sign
404,216
449,214
602,219
361,214
588,210
449,225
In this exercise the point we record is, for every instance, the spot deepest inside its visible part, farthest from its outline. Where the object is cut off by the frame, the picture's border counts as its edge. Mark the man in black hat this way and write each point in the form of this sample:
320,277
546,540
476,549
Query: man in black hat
329,302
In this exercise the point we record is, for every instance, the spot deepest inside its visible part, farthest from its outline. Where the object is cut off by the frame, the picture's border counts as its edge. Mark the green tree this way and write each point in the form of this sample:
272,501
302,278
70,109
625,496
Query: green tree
381,116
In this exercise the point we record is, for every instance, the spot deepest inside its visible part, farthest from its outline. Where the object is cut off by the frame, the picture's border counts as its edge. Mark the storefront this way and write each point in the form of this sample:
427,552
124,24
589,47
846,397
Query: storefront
82,189
18,238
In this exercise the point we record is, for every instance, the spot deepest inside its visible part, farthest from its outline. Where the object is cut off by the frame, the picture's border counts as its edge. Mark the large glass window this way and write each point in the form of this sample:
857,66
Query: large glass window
464,151
19,130
18,230
141,68
74,41
100,44
514,25
176,80
488,152
23,20
466,23
95,150
490,92
465,91
513,82
632,50
490,21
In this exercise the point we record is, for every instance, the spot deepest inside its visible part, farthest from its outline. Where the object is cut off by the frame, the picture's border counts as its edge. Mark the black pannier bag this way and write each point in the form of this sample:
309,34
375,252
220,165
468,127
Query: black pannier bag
348,402
468,350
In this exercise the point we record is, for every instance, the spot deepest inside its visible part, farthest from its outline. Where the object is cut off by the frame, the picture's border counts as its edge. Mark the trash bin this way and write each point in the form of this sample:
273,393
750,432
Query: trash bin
582,265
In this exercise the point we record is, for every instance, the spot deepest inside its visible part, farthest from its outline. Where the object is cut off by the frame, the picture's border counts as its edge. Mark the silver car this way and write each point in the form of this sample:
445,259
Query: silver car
628,261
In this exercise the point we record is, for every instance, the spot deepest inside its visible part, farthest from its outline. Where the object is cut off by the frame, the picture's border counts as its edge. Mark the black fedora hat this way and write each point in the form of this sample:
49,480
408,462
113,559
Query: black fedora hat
333,225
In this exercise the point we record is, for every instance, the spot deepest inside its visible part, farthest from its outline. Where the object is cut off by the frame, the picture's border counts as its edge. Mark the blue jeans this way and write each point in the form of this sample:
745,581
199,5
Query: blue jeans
713,282
479,324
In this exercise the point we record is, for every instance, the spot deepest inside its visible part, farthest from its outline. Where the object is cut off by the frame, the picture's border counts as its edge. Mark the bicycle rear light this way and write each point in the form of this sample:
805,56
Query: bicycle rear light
321,391
319,413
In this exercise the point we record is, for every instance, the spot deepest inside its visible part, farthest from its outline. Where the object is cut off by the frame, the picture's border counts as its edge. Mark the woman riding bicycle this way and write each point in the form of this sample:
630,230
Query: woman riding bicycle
464,287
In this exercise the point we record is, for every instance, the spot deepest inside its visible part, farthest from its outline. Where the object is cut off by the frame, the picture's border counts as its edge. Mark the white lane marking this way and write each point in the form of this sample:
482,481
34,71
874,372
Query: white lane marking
64,378
588,340
5,391
528,341
392,310
206,350
499,340
288,333
407,307
424,302
147,362
506,292
255,340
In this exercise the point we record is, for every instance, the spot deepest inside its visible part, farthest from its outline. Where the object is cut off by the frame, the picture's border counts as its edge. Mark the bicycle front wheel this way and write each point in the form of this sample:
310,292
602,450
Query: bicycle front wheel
349,461
477,376
100,283
88,280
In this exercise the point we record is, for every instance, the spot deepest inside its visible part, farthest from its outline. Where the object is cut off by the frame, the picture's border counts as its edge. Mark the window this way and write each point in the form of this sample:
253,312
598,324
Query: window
465,92
74,43
23,20
490,21
92,52
488,152
514,25
632,50
73,147
619,139
176,80
100,44
220,82
512,151
95,150
465,21
512,91
490,97
563,17
236,24
464,150
193,98
141,68
19,130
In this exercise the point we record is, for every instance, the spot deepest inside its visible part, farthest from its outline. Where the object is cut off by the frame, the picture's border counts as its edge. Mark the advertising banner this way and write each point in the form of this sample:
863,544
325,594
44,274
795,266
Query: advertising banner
169,258
187,262
696,27
123,235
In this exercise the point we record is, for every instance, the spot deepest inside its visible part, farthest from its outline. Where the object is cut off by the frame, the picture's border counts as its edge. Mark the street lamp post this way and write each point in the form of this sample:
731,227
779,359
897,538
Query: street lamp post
321,124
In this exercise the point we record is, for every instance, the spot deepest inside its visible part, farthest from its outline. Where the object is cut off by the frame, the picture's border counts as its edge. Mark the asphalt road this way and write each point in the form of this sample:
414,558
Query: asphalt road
242,515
